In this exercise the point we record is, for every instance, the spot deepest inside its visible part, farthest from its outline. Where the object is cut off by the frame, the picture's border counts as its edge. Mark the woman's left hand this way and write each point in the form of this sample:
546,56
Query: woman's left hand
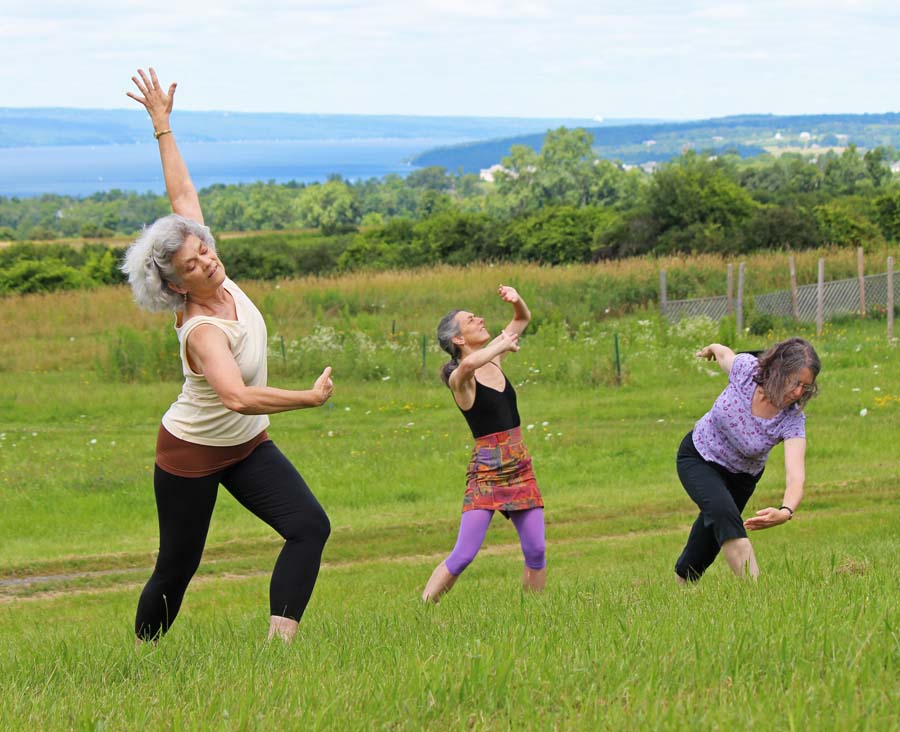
766,519
157,102
508,294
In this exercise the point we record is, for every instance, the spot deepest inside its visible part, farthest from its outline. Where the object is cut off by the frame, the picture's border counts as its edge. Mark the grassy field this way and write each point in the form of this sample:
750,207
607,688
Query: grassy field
612,644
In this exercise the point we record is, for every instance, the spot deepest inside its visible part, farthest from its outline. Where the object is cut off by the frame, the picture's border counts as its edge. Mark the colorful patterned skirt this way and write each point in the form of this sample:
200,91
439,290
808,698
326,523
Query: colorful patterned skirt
499,476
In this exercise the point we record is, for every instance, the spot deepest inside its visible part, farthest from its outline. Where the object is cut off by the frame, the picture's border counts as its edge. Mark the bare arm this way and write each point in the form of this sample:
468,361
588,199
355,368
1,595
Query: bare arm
521,313
182,194
723,355
795,471
462,380
211,355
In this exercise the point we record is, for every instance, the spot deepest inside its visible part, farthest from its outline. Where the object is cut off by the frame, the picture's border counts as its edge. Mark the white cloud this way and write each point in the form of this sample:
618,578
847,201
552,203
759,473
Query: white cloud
528,57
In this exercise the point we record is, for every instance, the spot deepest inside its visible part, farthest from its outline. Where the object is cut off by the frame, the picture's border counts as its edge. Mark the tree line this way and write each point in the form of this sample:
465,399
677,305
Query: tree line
554,206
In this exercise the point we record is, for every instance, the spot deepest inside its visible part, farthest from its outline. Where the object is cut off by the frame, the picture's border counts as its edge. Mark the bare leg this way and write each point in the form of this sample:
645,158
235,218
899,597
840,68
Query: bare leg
440,582
533,580
740,557
284,628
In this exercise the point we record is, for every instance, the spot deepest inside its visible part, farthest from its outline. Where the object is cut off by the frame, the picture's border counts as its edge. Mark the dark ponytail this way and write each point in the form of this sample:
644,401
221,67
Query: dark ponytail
446,330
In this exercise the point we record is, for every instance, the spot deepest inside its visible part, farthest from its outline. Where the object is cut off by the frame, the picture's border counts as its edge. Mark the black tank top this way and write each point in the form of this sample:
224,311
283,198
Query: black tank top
492,411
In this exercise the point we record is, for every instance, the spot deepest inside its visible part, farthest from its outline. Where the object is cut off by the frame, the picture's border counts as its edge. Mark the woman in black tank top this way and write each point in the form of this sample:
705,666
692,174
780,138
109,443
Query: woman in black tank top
499,476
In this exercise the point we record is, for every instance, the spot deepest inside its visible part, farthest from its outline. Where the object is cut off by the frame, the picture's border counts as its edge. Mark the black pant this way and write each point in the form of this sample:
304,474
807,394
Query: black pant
721,496
270,487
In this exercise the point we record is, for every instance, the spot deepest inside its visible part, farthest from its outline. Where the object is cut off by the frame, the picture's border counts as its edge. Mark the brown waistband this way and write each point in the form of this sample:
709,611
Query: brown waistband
190,460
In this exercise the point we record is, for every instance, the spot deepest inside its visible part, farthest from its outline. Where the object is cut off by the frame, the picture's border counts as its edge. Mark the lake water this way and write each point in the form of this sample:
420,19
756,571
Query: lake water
82,170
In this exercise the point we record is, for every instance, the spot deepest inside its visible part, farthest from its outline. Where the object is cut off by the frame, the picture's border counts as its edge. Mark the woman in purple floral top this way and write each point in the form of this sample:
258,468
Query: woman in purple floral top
722,459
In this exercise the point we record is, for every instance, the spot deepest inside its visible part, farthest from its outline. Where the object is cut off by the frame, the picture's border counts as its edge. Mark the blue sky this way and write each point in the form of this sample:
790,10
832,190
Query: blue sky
467,57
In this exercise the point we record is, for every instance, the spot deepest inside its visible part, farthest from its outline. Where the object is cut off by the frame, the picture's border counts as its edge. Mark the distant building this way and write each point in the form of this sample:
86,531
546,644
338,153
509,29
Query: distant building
487,174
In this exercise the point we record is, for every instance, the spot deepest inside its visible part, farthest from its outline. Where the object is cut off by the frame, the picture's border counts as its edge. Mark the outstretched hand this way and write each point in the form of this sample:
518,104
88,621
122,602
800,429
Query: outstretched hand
508,294
324,386
706,353
157,102
766,519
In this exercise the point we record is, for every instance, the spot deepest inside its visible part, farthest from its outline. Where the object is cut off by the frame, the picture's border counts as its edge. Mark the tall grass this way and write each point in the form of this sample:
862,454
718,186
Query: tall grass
68,330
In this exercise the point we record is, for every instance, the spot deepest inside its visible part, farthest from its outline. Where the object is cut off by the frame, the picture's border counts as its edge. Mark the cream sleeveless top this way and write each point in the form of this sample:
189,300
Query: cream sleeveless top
198,414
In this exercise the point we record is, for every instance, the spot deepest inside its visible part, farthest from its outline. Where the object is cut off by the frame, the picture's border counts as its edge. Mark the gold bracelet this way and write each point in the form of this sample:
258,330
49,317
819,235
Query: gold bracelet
159,134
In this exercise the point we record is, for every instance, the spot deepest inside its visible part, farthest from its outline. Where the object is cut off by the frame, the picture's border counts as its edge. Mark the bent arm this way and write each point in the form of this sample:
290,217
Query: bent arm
521,313
795,473
795,470
723,355
462,380
209,351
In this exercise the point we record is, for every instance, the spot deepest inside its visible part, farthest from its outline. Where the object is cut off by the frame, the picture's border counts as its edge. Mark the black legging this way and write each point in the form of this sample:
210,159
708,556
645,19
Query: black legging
268,485
721,496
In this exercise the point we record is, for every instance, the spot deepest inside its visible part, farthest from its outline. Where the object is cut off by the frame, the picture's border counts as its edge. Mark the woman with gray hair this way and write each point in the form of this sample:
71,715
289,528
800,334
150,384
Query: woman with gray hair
722,459
215,432
499,476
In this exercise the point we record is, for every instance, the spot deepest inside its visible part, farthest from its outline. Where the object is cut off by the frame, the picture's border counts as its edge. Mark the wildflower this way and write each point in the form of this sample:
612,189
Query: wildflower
34,434
112,443
409,424
330,433
530,427
346,409
544,424
877,388
855,388
385,378
94,441
660,421
863,412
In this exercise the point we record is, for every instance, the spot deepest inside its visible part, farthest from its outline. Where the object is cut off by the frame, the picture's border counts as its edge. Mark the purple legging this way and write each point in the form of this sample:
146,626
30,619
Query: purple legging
474,525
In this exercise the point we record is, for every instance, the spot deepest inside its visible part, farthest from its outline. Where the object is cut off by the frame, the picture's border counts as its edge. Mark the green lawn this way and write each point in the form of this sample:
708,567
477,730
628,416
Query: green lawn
612,644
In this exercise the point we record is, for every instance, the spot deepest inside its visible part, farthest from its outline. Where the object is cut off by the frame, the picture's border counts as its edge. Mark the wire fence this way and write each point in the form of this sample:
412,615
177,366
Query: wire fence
840,297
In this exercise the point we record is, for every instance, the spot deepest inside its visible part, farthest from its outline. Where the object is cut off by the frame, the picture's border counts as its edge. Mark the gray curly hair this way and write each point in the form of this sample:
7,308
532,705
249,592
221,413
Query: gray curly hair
148,261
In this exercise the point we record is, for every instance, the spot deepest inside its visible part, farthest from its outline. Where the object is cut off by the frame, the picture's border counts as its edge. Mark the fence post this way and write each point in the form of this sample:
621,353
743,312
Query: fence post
861,273
663,297
890,298
795,297
618,362
740,300
729,290
424,343
820,297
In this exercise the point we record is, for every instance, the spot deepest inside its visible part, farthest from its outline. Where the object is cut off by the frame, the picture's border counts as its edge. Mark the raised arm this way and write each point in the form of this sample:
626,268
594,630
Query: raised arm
182,194
723,355
795,473
211,356
462,380
521,313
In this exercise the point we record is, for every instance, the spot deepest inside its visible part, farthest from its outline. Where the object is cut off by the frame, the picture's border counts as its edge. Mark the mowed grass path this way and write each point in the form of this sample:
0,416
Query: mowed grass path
612,644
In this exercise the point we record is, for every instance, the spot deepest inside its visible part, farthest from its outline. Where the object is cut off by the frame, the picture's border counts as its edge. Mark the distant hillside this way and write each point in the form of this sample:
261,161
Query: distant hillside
43,127
747,135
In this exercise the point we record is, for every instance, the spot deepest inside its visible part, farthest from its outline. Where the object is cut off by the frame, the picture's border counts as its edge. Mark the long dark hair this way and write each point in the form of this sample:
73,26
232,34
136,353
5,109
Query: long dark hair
780,363
446,330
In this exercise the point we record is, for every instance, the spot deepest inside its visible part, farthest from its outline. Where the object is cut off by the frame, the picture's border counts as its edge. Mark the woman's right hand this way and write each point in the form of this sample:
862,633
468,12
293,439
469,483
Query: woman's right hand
157,102
708,353
324,386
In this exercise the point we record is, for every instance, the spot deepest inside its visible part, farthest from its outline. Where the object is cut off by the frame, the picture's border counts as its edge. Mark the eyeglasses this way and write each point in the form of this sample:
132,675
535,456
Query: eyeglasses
807,388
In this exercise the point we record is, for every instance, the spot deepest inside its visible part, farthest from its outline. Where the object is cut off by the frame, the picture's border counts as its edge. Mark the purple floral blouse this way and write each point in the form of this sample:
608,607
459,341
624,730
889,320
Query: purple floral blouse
730,435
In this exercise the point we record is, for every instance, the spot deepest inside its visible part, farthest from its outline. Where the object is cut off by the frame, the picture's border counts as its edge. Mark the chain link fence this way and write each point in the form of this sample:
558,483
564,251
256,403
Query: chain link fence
840,297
